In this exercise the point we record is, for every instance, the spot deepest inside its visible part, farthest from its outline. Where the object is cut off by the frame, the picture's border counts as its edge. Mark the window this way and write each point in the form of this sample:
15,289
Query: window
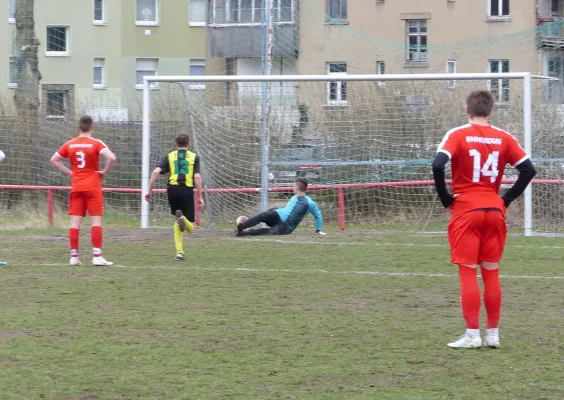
555,70
555,10
380,70
337,90
57,41
147,12
250,11
197,68
145,67
98,80
197,13
56,103
12,11
99,12
13,82
417,41
451,69
337,10
499,87
498,8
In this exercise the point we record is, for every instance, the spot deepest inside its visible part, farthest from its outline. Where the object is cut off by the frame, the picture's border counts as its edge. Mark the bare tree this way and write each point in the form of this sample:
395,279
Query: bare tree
26,45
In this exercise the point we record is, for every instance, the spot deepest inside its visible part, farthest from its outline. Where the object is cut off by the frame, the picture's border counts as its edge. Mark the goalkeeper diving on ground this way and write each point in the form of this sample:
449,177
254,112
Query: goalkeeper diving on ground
283,221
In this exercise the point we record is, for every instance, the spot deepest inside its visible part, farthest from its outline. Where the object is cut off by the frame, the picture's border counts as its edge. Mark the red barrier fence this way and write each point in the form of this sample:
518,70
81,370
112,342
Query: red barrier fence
340,188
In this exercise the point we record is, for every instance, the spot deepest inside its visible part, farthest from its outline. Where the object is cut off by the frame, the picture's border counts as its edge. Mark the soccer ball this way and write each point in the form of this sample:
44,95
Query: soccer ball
241,219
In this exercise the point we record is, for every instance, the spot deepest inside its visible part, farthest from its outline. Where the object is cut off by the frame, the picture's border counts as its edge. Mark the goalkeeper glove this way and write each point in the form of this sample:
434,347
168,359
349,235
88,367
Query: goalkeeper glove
320,233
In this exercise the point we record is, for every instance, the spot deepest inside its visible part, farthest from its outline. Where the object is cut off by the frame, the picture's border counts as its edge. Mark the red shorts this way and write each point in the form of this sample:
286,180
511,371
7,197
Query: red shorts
477,236
80,202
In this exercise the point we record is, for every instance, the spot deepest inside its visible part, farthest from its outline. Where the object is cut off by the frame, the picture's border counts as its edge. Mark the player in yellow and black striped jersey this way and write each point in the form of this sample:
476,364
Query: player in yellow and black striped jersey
183,167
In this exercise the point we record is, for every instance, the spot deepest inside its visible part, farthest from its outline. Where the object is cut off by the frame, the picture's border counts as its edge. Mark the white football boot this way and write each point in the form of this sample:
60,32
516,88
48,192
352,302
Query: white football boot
74,262
492,341
101,262
466,342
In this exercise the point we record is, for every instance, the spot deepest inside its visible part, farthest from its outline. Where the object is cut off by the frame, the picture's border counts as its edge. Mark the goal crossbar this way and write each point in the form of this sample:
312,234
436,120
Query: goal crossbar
344,77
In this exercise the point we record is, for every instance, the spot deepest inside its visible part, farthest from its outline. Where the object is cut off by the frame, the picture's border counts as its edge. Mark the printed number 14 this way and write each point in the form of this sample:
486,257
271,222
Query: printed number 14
490,168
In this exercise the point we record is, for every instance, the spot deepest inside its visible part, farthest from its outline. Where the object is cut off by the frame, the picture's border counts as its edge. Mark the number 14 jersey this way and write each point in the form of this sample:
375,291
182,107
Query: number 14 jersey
84,156
478,156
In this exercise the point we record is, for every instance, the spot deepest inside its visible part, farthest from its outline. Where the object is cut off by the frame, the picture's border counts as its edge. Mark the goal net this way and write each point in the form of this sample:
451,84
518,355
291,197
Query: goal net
365,143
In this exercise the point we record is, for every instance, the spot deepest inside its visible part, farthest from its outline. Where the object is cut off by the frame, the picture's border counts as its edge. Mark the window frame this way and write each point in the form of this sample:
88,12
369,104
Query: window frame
65,104
196,23
11,11
148,23
12,83
339,18
50,53
381,70
503,96
255,13
99,22
152,85
339,89
451,84
500,14
419,34
197,62
101,85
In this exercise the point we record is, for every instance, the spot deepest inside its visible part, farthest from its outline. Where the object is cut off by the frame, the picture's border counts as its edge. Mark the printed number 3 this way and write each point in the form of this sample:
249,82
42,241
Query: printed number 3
490,168
80,158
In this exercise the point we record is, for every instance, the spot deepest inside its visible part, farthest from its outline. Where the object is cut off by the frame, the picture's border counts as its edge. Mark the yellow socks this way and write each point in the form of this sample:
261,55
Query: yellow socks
189,225
178,239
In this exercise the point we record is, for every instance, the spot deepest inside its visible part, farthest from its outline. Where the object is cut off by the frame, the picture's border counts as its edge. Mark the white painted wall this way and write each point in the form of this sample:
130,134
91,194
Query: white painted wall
282,93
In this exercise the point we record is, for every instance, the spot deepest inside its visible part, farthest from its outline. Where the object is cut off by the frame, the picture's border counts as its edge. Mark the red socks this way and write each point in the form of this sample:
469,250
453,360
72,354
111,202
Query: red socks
97,235
74,235
470,296
492,296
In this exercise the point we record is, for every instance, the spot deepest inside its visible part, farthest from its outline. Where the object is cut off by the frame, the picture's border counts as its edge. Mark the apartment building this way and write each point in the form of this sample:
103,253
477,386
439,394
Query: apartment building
336,37
94,53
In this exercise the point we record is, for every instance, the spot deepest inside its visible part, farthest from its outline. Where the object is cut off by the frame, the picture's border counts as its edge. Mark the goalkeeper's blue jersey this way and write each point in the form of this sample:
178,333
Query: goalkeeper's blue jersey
297,208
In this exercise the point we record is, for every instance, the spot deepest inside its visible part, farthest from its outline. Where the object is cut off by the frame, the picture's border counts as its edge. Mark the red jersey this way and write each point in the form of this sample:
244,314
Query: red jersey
84,156
478,156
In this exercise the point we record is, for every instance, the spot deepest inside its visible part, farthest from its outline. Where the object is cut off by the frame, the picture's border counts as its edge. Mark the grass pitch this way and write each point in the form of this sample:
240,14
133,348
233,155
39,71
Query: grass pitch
355,315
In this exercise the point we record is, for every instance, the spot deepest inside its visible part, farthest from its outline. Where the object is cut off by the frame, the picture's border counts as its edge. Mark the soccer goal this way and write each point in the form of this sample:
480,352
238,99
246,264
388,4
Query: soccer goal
364,142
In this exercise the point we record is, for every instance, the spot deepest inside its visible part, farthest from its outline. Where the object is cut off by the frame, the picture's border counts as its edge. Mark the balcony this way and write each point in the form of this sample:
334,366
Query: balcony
237,28
551,33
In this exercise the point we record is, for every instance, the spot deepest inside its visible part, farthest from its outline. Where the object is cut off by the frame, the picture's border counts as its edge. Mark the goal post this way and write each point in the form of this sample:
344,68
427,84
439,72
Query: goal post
359,138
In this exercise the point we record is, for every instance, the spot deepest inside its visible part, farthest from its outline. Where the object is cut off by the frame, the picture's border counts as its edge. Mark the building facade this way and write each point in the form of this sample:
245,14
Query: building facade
337,37
94,53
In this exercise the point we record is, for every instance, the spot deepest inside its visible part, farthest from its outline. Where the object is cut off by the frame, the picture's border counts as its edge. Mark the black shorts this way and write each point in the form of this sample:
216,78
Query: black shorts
182,198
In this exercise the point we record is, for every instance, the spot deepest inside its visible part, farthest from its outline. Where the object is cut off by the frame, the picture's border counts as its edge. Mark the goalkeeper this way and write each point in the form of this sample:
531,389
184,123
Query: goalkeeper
283,221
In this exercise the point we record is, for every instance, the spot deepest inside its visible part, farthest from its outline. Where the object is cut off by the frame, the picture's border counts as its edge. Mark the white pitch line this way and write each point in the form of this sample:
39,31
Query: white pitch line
372,244
302,271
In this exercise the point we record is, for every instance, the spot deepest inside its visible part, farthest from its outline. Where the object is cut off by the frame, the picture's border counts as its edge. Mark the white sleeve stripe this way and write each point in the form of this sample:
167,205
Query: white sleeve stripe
101,151
445,152
521,161
58,155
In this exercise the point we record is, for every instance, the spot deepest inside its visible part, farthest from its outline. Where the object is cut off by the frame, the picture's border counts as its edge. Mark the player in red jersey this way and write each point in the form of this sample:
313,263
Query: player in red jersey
478,153
84,154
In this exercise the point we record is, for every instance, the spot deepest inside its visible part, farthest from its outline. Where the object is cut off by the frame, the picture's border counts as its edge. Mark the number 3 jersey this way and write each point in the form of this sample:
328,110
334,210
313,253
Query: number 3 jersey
478,156
84,156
